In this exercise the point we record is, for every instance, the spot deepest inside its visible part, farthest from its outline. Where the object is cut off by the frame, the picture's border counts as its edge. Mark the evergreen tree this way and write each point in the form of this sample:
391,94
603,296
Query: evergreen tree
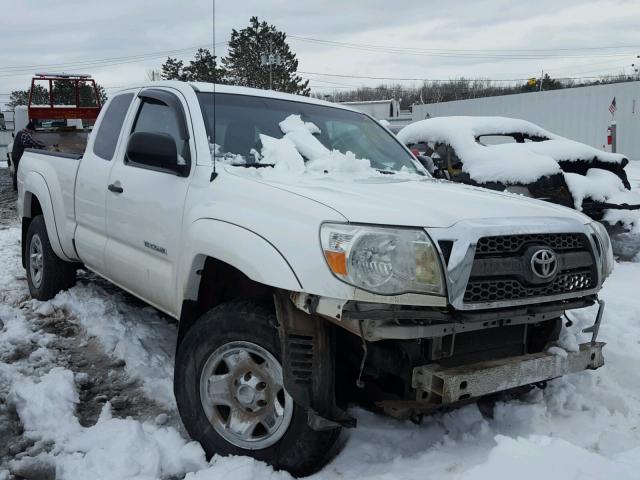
249,46
173,69
203,68
21,97
64,93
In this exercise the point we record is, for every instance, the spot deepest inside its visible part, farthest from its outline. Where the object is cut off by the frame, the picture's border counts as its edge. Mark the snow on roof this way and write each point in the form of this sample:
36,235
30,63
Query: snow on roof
509,162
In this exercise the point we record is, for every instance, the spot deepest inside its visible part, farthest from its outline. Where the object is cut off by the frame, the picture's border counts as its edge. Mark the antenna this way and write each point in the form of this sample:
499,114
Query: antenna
214,174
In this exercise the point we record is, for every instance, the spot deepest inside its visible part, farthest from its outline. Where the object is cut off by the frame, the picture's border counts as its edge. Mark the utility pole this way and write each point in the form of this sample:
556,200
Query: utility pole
269,59
541,79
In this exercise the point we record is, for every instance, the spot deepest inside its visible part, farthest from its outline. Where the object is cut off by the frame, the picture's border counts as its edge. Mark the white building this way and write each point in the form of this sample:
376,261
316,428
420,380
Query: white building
380,109
388,110
580,114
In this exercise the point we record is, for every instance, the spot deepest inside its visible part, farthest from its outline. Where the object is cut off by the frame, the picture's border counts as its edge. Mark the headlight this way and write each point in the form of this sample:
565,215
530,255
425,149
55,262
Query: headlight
606,251
387,261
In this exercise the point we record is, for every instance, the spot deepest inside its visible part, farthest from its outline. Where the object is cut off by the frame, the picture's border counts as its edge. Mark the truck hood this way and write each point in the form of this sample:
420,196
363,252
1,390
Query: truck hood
424,203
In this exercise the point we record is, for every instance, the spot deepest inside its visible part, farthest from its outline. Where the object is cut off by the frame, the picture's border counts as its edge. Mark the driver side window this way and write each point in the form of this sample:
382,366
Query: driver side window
156,117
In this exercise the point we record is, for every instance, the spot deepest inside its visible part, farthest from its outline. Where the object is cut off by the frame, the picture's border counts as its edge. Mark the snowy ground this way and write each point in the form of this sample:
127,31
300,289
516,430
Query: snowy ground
85,393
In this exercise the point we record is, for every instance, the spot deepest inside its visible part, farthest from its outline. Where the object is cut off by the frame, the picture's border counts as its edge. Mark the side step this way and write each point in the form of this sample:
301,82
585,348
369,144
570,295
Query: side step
442,386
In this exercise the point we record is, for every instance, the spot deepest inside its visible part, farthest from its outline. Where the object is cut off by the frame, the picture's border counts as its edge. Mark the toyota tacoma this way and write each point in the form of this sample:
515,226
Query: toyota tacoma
311,261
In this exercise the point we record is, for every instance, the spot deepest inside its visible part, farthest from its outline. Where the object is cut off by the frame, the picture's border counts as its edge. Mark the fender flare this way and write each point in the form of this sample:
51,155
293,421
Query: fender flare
36,185
240,247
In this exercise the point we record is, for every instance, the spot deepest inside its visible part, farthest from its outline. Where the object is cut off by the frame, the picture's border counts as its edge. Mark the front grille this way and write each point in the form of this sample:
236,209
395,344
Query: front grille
506,244
510,289
504,283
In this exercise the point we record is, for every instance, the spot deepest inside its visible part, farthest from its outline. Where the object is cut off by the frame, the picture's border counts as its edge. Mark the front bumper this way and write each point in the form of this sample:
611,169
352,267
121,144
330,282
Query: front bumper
444,386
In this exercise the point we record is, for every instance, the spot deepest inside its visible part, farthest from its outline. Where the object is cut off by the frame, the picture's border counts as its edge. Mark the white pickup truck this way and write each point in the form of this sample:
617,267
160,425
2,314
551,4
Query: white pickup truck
311,262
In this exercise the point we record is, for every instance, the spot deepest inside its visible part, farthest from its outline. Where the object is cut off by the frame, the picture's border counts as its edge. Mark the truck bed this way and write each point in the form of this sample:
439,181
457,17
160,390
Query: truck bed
73,141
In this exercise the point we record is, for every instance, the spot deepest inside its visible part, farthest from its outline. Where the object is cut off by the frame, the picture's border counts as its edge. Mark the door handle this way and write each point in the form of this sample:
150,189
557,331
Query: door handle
115,187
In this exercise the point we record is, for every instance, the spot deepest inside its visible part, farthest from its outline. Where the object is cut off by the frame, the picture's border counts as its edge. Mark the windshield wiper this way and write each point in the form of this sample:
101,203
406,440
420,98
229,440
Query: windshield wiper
253,165
386,172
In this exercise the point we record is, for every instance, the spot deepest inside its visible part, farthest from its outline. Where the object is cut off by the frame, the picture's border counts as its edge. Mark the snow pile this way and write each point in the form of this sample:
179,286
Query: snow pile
539,457
299,141
299,154
456,128
281,153
630,219
46,408
225,158
508,162
112,448
124,332
564,149
603,186
598,185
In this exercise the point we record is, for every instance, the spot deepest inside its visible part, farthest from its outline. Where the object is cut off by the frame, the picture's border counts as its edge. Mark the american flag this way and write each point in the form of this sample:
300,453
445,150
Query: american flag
612,107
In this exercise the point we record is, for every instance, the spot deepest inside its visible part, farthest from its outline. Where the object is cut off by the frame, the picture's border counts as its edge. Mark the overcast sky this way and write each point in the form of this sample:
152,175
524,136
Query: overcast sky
434,39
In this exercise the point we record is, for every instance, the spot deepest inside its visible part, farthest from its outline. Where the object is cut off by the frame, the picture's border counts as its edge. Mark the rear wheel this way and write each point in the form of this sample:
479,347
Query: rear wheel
47,274
231,396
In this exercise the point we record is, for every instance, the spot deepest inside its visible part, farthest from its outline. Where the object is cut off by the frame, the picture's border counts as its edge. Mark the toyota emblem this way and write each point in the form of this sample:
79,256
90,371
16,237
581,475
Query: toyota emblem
544,263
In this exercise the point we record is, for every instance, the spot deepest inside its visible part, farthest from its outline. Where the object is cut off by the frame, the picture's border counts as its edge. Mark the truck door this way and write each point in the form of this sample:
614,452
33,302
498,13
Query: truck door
145,203
91,180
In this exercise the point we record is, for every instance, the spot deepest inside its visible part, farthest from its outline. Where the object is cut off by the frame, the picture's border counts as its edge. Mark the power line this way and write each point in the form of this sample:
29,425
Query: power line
438,80
469,53
96,63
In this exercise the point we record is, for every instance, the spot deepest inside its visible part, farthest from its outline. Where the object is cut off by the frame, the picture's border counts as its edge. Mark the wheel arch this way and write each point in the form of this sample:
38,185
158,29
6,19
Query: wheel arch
227,262
36,200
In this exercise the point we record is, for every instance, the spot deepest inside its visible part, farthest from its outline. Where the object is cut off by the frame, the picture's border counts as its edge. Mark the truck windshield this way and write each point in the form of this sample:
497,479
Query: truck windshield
235,122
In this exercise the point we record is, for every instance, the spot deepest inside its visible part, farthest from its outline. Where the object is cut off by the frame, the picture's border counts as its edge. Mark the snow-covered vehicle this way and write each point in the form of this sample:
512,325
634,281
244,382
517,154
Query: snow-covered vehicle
311,262
502,153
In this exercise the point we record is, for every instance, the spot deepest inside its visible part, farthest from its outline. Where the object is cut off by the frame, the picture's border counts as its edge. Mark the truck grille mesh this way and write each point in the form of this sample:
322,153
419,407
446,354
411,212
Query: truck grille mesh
513,243
507,287
510,289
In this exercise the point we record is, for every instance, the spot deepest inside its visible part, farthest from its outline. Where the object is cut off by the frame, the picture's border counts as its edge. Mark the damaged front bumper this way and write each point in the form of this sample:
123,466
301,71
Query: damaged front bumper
443,386
438,386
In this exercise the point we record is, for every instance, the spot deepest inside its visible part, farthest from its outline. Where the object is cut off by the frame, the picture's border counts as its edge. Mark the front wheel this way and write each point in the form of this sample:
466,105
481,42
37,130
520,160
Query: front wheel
47,274
230,391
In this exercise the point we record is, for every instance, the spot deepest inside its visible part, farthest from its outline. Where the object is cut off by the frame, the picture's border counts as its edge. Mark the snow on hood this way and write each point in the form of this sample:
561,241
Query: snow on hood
506,163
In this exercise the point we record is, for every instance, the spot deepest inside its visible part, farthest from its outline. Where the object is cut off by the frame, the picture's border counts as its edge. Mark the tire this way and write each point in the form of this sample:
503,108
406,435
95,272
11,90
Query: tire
47,274
236,325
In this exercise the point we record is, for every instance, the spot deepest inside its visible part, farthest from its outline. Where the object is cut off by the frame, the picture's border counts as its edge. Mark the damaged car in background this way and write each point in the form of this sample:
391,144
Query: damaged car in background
517,156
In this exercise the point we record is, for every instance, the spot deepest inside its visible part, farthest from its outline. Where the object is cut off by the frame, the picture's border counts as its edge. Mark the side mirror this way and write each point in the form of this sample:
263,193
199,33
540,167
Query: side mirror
155,150
427,163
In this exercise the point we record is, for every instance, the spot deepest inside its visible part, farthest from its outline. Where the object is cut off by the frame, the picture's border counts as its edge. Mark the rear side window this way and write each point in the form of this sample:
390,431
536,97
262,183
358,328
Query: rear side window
110,126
